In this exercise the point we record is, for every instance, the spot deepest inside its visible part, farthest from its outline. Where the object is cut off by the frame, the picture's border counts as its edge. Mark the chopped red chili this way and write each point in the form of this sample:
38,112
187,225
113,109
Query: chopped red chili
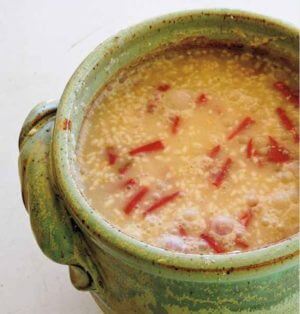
282,87
182,231
123,169
277,153
241,243
250,148
176,121
220,176
163,87
287,123
151,106
201,99
242,126
137,197
287,93
213,244
148,148
215,151
246,217
128,183
111,155
161,202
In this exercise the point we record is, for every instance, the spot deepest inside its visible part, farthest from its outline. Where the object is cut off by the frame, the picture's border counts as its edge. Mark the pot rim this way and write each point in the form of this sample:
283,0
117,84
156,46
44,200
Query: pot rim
95,225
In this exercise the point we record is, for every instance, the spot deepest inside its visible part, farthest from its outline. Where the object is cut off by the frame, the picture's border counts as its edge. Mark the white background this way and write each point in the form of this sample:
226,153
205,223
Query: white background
41,44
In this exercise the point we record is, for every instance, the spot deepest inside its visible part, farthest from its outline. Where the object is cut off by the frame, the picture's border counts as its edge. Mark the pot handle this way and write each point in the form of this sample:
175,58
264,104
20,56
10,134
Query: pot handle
55,231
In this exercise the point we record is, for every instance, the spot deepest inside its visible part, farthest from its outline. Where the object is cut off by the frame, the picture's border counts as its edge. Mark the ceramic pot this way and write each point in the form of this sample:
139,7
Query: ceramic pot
123,274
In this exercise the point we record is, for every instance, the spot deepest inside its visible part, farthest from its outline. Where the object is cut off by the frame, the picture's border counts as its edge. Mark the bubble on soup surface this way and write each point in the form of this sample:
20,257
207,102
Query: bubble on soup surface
285,176
190,213
282,198
251,199
192,222
178,99
197,244
222,225
173,243
202,245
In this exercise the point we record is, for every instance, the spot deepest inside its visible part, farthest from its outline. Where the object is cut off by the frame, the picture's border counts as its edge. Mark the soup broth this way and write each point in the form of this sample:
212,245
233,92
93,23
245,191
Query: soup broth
196,150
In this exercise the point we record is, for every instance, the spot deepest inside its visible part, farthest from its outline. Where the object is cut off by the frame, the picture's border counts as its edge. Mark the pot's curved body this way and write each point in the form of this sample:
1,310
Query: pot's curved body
123,274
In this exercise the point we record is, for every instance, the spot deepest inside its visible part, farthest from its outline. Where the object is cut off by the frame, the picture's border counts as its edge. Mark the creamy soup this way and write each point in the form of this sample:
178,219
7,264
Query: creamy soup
196,151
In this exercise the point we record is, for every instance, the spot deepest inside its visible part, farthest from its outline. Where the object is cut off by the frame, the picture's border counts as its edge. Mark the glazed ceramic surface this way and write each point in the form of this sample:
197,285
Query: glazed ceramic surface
123,274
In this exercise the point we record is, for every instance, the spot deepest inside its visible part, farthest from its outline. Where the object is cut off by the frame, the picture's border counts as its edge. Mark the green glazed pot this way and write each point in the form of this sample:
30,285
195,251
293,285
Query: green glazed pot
123,274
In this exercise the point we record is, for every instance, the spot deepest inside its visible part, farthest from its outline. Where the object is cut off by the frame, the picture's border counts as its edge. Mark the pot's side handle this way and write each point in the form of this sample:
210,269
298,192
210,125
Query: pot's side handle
55,231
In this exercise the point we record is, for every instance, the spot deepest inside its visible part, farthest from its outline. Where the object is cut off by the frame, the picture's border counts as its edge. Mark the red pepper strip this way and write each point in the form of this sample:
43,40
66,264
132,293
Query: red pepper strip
243,125
182,231
222,173
201,99
111,155
241,243
250,148
147,148
276,153
285,91
246,217
135,200
175,124
151,106
123,169
287,123
283,88
129,182
161,202
212,243
215,151
163,87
